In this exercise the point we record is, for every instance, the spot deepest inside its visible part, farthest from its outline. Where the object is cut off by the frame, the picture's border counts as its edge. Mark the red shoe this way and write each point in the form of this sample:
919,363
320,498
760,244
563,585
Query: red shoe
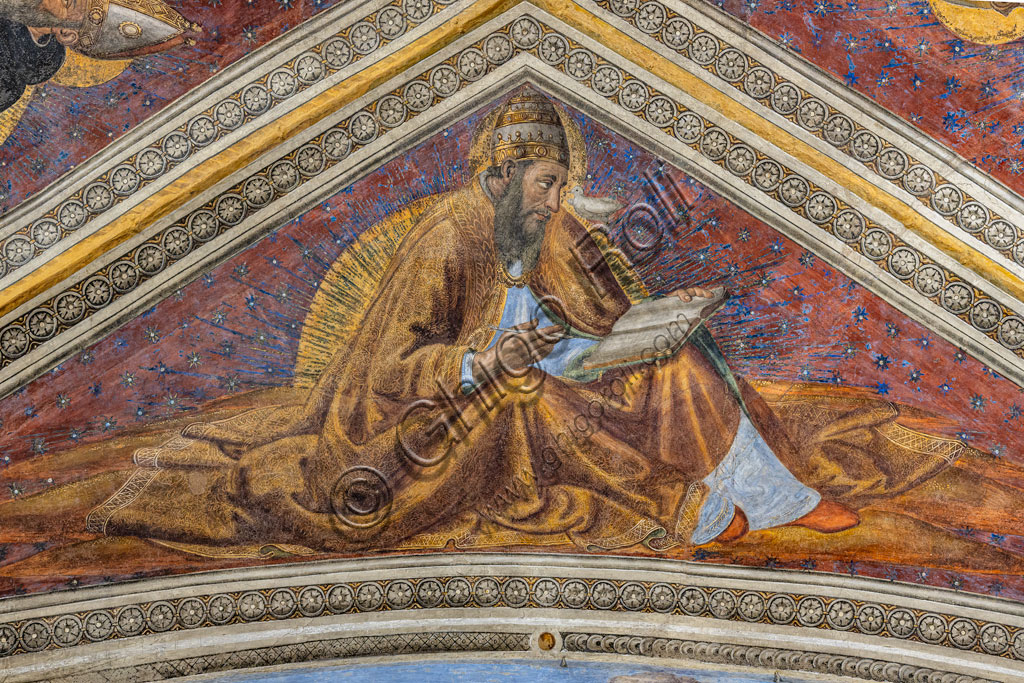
736,530
828,518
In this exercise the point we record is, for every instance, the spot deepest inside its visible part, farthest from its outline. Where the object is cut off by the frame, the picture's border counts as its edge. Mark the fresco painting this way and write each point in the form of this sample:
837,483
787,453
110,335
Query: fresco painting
342,387
631,341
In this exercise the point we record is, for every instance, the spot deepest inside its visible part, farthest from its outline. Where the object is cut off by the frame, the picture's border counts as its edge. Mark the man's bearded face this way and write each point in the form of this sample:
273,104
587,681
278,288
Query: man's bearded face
45,14
532,196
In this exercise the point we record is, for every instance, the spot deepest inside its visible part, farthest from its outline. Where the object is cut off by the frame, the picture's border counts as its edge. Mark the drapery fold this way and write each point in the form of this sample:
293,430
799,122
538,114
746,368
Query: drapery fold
606,464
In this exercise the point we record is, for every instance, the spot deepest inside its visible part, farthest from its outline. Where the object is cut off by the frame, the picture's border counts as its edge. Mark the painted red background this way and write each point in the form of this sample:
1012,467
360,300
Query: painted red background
237,327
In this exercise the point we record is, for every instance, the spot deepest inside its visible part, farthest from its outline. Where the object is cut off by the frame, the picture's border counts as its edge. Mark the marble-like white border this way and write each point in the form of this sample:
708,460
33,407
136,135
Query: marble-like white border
527,594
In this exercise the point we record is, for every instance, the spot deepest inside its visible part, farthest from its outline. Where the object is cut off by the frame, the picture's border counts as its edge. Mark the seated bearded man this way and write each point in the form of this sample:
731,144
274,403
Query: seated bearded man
432,424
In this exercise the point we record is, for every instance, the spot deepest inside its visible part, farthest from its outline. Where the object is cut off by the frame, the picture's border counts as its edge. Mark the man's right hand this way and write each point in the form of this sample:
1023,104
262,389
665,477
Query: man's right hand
515,351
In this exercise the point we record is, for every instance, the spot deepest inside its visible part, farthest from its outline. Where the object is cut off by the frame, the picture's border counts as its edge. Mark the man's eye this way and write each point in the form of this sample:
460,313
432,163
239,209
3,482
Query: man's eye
545,184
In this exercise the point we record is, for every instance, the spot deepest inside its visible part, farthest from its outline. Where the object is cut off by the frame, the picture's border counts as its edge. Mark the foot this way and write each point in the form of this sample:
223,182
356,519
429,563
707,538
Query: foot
736,530
828,518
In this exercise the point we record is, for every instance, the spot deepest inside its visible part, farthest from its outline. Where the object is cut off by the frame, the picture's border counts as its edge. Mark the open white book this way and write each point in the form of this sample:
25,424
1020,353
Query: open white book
652,330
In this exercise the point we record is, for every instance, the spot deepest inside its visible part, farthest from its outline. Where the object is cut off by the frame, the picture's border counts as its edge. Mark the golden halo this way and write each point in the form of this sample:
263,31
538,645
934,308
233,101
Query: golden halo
347,289
480,149
9,117
980,22
577,148
79,71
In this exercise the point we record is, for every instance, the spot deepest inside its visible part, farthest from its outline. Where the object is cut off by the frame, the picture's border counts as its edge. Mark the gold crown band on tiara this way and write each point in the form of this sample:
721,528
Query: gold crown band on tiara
522,151
528,127
528,116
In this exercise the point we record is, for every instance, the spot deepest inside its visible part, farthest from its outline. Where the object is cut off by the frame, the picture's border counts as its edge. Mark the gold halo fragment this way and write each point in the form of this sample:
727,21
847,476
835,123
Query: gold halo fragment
79,71
980,22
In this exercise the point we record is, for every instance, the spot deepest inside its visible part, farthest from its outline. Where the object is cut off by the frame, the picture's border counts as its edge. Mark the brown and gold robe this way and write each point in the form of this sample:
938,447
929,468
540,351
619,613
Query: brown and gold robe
606,464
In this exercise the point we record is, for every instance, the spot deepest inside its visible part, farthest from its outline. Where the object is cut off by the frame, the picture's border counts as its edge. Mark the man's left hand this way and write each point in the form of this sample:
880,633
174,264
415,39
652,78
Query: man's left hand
689,292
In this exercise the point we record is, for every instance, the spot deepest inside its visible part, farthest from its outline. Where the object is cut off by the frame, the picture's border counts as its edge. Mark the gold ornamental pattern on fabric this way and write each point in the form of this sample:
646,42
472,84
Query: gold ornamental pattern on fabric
118,29
96,12
529,128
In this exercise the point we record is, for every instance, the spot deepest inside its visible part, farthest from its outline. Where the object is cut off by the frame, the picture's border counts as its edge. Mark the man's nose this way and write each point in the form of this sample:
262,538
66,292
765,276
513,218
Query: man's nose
552,200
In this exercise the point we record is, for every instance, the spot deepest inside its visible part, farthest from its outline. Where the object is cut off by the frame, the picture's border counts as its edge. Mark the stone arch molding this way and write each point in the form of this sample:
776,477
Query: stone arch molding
597,608
322,105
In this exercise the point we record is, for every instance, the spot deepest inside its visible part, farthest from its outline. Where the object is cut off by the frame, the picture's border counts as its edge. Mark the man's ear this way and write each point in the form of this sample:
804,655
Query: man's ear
66,36
508,169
